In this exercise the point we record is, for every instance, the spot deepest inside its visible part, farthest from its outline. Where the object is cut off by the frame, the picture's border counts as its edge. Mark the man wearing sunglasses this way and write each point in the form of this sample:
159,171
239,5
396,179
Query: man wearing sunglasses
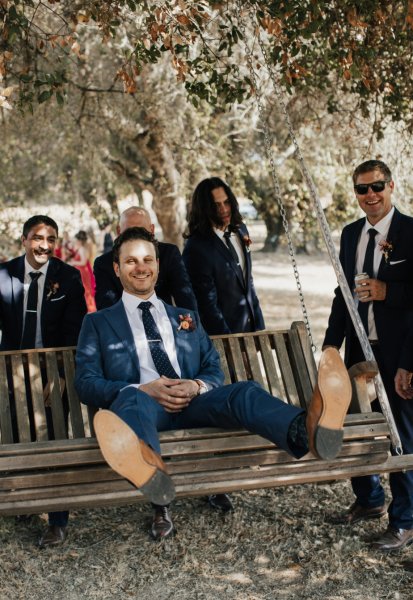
381,245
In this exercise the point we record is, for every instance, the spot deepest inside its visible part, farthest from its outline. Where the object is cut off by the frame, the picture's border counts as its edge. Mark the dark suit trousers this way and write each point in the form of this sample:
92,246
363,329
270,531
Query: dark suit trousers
368,490
243,404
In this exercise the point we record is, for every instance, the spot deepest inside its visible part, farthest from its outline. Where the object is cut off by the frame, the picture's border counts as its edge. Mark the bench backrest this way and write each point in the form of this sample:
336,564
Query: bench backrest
281,361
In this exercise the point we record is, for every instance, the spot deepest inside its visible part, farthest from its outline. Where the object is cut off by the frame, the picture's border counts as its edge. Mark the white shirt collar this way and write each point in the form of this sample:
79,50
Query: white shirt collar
382,226
131,301
29,269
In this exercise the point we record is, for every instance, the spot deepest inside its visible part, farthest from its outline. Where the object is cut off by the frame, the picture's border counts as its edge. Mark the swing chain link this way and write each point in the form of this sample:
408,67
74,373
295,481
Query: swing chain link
275,179
341,278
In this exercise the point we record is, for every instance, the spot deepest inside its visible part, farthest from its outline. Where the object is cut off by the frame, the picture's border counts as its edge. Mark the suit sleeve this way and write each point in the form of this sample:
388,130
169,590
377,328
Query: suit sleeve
210,371
179,283
336,328
106,293
90,382
75,311
201,273
406,356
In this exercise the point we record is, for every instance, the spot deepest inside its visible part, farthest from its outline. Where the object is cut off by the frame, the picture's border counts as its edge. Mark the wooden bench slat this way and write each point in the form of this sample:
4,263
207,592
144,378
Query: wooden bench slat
20,401
36,388
275,385
75,411
300,368
6,431
286,371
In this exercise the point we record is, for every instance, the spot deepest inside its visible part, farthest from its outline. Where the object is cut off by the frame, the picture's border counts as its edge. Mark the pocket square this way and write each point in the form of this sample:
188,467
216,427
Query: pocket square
397,262
57,299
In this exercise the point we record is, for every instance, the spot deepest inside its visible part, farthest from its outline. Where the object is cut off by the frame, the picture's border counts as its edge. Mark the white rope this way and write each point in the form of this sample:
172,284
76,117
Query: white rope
341,278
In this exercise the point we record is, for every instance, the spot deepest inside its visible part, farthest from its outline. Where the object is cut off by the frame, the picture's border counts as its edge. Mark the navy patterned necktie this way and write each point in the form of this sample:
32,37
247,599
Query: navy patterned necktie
30,317
159,355
368,266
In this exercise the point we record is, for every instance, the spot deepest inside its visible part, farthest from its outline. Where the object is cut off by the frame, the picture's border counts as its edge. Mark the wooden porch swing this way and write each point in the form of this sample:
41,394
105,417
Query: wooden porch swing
39,473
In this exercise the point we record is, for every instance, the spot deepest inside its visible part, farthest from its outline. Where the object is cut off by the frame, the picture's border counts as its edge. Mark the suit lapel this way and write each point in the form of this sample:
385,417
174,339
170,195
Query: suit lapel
392,236
173,317
17,285
52,275
352,249
118,322
221,247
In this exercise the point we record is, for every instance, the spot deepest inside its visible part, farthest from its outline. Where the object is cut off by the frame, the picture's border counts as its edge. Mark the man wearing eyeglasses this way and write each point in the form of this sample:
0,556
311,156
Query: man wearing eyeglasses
381,245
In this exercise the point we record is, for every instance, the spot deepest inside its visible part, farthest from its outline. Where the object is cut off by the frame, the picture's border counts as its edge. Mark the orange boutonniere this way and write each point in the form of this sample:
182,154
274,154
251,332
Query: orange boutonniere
53,288
387,248
186,323
247,242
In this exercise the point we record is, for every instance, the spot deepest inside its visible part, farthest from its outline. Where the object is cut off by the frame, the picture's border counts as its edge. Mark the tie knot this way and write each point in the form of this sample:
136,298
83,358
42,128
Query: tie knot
227,235
372,233
34,275
145,305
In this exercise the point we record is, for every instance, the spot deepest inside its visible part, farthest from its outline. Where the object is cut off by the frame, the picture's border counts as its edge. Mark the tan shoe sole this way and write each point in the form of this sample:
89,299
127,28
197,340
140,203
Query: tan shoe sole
334,386
132,458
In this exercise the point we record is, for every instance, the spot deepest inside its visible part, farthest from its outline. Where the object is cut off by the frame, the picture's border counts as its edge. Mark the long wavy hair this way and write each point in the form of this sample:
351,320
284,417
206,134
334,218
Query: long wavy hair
203,211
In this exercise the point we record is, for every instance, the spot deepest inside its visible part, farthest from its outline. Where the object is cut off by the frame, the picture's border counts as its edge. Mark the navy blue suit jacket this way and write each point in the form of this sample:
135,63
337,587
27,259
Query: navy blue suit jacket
61,314
394,315
226,303
107,361
173,282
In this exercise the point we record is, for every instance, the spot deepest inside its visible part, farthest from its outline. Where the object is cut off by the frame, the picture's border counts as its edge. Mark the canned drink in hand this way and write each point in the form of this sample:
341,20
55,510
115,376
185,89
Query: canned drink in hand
358,281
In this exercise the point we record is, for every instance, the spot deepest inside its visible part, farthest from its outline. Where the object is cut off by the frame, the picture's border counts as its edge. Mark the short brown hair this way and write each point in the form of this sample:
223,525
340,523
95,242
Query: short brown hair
133,233
372,165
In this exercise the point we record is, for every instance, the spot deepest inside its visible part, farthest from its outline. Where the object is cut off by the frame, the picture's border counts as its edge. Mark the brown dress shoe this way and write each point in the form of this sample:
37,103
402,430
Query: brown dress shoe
132,458
53,536
393,539
358,513
162,525
329,405
221,502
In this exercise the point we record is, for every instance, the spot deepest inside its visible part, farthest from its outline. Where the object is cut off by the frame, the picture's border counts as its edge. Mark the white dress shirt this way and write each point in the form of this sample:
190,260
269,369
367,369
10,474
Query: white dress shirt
40,286
382,228
148,371
236,242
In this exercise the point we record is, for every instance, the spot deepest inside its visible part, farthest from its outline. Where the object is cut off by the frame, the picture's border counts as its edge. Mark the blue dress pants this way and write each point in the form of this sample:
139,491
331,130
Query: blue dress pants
243,404
368,490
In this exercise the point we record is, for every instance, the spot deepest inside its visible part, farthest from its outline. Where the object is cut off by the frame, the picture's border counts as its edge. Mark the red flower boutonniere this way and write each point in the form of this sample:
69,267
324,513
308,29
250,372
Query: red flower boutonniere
247,242
387,248
52,289
186,323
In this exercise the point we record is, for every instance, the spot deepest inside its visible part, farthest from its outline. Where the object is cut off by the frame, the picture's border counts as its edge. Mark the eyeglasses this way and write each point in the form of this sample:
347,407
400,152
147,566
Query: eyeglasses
376,186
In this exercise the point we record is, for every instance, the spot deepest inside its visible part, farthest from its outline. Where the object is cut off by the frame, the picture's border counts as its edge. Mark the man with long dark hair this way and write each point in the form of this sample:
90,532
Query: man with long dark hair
218,259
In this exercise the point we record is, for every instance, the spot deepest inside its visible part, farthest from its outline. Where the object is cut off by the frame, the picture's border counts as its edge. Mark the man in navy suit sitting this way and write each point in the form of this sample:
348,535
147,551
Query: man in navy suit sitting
151,367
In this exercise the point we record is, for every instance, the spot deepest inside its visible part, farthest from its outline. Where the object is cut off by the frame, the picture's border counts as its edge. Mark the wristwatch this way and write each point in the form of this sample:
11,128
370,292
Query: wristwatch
202,387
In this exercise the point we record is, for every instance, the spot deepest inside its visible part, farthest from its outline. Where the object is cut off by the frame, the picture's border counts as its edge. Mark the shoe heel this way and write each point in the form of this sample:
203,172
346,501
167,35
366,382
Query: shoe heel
328,442
159,489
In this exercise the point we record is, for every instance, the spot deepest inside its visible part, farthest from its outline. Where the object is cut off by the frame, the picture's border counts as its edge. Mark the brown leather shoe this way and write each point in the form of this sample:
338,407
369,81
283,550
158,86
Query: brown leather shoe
132,458
53,536
220,502
358,513
393,539
162,525
329,405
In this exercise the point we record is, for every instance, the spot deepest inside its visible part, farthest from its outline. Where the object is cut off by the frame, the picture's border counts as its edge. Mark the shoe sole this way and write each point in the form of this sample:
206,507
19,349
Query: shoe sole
122,450
392,548
334,385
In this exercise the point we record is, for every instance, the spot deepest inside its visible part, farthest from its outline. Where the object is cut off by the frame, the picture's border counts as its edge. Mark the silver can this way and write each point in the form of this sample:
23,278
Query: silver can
358,281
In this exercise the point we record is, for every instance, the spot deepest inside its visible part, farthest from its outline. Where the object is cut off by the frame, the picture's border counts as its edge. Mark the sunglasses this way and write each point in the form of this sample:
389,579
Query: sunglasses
377,186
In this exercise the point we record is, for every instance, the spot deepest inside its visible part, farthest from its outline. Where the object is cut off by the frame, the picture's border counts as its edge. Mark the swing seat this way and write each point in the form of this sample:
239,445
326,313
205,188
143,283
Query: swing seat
40,473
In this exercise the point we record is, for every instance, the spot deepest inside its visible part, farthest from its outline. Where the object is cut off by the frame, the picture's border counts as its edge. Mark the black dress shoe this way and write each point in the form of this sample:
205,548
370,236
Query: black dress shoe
221,502
53,536
393,539
162,525
358,513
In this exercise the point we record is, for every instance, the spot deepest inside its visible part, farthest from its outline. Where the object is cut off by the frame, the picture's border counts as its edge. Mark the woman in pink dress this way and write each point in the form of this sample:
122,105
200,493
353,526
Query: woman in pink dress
81,260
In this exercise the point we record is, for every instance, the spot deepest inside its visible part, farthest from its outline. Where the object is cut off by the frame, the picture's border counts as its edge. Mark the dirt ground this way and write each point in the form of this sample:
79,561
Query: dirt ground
278,544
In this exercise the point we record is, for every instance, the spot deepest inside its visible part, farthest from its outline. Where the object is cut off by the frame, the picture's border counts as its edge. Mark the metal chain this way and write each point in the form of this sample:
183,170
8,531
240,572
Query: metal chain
341,278
276,183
